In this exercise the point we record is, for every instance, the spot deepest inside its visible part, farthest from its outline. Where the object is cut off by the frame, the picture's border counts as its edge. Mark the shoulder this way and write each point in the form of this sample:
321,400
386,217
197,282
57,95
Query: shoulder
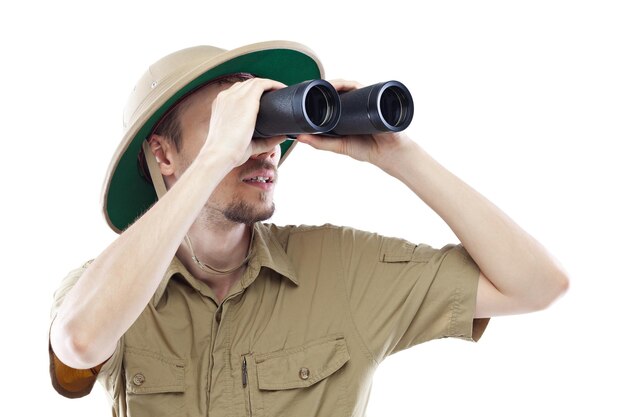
344,234
303,228
346,238
284,233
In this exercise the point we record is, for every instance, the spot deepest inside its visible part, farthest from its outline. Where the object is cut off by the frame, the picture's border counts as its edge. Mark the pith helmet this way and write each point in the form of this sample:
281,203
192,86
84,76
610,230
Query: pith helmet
126,195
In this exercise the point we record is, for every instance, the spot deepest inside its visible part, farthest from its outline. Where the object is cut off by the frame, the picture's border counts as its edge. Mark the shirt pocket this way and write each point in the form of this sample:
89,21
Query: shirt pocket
301,380
155,384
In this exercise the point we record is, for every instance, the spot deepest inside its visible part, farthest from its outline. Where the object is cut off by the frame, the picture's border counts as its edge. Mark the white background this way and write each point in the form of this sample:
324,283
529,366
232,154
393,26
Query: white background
523,100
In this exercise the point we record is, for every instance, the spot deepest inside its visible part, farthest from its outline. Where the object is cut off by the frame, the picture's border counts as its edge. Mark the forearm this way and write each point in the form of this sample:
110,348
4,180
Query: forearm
117,286
514,262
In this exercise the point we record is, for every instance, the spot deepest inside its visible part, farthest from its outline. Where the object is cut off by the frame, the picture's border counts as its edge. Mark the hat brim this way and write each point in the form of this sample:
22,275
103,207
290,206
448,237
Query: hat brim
126,194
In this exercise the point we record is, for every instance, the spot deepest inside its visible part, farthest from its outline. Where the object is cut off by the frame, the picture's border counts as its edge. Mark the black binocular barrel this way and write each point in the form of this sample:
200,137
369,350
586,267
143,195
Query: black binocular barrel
316,107
382,107
308,107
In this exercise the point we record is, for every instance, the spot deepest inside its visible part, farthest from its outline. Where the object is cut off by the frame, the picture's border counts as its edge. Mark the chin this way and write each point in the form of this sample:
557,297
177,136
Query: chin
243,212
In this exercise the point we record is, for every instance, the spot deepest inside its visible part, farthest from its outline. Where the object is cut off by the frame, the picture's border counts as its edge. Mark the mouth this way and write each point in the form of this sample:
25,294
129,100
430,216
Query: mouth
261,179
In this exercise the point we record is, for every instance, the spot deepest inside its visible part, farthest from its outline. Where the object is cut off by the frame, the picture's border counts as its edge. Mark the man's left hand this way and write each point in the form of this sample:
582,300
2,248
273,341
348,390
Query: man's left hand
378,149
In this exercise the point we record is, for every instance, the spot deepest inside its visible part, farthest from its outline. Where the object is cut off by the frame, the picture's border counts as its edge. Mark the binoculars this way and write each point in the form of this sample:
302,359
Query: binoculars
316,107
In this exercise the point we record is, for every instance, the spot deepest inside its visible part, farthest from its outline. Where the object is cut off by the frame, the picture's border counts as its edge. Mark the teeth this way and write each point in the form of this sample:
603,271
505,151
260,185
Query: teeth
259,179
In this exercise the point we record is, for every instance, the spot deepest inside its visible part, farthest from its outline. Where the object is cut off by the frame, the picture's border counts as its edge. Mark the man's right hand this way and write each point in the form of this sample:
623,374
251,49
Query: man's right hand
233,117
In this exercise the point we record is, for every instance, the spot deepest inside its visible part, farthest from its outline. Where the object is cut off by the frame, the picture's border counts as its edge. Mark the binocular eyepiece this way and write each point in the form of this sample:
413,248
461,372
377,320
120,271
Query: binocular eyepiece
316,107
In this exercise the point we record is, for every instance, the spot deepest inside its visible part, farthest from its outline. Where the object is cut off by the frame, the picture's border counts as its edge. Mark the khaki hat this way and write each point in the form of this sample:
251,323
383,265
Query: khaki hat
126,195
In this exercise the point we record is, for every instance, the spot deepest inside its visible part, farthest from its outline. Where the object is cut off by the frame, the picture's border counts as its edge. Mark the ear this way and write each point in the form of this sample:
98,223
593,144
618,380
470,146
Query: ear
163,152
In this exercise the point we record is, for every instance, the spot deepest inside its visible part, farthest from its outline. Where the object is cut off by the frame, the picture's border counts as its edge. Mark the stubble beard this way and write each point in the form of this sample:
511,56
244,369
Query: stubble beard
242,212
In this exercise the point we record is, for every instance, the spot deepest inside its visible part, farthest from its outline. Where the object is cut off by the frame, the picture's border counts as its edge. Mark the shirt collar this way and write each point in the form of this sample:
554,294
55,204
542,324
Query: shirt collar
267,252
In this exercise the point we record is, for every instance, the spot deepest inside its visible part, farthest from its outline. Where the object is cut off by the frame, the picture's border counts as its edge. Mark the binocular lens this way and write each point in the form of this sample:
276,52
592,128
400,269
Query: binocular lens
393,106
319,106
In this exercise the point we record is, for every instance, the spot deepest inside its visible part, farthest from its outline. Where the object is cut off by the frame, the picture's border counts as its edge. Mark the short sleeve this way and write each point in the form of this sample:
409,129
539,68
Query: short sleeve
402,294
68,381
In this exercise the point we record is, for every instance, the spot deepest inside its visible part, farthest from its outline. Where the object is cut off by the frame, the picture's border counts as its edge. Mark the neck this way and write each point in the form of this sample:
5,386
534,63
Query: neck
222,245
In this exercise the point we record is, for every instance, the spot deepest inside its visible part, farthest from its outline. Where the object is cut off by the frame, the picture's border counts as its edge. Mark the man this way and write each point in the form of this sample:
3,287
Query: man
199,309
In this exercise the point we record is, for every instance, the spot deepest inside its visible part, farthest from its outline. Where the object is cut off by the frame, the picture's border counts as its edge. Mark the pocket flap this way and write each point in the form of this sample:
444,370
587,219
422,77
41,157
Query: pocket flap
302,366
396,250
150,372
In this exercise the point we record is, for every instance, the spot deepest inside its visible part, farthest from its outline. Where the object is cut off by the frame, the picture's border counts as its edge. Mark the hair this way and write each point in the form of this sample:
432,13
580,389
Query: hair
169,126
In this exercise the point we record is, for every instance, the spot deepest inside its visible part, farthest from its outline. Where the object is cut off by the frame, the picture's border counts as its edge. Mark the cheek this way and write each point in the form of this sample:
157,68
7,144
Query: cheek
186,156
182,163
277,154
192,141
228,184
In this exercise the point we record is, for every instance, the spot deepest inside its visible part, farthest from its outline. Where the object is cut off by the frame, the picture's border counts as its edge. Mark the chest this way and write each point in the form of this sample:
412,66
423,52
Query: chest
271,347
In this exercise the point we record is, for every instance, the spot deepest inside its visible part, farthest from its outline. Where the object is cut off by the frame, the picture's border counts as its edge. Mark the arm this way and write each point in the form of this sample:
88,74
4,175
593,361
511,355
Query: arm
117,286
517,274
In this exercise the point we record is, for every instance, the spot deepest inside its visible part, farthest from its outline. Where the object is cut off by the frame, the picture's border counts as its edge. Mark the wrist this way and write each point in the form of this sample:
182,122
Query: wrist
396,160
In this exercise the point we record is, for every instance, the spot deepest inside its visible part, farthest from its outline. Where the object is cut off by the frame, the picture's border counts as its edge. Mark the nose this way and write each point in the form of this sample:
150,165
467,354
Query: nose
273,154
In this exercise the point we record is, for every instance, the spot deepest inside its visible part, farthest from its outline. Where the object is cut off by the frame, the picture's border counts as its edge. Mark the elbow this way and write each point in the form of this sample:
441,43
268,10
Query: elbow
553,287
74,348
563,283
559,284
80,354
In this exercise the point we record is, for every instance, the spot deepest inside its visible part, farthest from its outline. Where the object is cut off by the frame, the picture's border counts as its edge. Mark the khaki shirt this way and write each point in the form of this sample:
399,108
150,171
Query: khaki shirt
317,309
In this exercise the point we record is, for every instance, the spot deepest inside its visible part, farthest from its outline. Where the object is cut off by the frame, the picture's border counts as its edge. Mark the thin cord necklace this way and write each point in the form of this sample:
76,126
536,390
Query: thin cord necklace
212,270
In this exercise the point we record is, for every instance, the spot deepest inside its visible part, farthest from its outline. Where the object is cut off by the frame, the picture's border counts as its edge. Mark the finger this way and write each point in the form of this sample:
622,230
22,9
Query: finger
253,87
259,86
345,85
324,143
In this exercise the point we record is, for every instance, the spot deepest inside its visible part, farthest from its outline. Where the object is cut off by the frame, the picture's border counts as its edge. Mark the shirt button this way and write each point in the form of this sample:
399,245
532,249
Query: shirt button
139,379
304,373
